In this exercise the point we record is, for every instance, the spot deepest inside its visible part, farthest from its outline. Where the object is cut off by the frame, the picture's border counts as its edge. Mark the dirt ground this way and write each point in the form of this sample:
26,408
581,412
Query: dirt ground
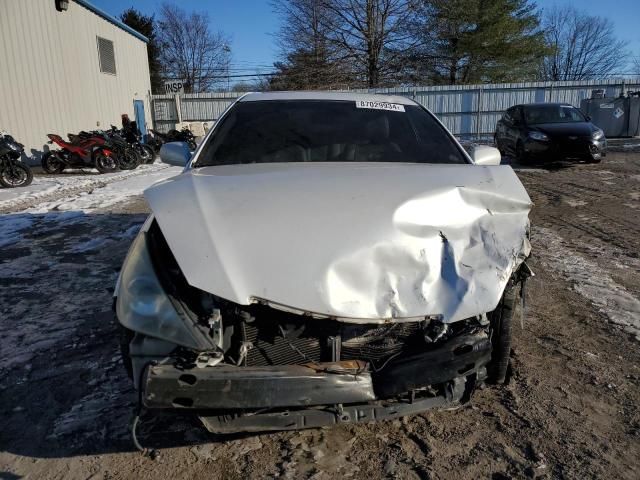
570,410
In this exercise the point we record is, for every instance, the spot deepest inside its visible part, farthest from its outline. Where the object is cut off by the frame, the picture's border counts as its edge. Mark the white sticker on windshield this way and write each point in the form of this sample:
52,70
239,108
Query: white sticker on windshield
393,107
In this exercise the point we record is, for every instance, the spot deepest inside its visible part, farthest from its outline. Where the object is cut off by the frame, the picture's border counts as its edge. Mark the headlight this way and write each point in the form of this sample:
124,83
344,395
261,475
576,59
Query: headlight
143,306
597,135
538,136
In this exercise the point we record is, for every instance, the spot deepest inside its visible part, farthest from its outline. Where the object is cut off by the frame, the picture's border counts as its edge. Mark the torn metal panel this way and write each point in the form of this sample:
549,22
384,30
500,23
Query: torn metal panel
364,243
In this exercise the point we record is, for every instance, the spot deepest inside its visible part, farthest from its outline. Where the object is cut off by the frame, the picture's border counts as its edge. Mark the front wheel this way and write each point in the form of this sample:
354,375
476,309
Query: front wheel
497,144
501,332
128,159
192,145
15,174
52,162
521,154
147,154
105,163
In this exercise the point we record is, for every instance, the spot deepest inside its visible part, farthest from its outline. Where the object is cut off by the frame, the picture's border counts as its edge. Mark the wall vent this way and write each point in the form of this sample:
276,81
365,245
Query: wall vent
107,56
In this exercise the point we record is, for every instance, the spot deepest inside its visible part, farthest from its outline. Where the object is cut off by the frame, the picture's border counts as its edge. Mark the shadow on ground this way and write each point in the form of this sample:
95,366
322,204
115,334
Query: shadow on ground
63,388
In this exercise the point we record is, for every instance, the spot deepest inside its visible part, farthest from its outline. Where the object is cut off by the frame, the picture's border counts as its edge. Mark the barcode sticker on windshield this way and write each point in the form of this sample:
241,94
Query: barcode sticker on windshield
393,107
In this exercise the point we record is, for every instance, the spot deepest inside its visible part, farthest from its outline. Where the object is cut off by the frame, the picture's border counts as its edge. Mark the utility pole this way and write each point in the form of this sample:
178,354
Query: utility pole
227,50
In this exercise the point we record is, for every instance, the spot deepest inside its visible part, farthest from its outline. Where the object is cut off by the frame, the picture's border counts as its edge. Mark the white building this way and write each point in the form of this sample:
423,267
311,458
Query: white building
68,70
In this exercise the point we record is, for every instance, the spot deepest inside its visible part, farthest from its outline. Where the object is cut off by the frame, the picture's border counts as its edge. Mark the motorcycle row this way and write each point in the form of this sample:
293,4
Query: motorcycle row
104,150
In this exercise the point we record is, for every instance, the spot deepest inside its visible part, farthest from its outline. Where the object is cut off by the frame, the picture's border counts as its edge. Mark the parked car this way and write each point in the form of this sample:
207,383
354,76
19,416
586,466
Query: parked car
324,258
548,132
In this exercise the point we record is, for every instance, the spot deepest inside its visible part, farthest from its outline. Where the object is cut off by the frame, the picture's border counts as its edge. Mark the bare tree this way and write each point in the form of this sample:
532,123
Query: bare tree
190,51
636,65
371,35
308,57
583,46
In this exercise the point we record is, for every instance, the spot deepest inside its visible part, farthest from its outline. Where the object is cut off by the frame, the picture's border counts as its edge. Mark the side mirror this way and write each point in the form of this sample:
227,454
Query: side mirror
588,117
484,155
175,153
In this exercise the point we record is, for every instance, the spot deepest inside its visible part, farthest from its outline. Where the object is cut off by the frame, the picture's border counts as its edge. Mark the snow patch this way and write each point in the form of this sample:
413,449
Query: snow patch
590,281
73,184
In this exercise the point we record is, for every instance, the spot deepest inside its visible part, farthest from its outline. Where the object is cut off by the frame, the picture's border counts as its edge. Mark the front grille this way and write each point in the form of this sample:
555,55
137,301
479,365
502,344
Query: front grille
379,343
270,348
279,338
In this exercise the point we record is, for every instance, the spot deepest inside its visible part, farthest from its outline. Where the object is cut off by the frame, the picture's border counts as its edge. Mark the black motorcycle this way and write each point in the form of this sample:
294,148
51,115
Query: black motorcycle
134,139
13,173
183,135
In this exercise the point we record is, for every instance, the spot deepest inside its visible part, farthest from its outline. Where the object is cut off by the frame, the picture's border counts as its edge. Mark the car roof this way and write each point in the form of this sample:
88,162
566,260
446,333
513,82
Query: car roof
540,104
328,96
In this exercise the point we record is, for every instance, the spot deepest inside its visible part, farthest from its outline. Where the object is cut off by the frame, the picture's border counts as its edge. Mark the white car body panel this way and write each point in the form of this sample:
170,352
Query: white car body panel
360,242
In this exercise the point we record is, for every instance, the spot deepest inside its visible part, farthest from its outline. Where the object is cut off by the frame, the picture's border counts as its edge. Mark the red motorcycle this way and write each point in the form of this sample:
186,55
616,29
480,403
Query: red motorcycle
81,153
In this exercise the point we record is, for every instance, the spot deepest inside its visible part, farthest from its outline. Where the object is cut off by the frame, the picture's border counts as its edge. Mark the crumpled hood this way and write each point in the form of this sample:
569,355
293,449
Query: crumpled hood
361,242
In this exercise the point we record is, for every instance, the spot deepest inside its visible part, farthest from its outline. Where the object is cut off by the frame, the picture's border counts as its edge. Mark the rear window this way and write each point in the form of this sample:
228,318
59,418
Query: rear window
328,131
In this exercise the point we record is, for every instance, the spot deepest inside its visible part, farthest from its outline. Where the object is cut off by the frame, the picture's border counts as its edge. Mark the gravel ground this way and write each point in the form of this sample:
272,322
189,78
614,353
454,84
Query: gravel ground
570,409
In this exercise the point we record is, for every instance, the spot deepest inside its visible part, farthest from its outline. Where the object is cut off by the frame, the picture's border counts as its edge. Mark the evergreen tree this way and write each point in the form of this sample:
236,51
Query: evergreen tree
146,26
477,41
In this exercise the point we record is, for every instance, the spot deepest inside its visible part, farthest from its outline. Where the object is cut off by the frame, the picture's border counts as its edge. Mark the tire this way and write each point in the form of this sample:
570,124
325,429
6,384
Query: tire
52,163
147,154
498,146
128,159
105,163
501,333
15,174
521,155
192,145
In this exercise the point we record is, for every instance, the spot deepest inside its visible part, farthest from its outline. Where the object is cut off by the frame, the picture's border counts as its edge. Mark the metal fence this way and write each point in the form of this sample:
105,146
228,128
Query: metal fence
466,110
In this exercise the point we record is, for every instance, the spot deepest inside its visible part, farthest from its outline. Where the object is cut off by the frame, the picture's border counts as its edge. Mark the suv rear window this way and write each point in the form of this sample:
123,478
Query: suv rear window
273,131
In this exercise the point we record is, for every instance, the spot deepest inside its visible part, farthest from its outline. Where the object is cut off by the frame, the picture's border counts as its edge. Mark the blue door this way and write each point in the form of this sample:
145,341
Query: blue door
138,109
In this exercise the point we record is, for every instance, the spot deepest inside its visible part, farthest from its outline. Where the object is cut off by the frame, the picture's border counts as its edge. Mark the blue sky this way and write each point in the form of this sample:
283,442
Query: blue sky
251,23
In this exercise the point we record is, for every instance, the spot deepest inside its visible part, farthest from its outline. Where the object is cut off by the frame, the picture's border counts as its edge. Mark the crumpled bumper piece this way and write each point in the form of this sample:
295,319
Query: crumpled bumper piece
314,418
228,387
460,356
293,386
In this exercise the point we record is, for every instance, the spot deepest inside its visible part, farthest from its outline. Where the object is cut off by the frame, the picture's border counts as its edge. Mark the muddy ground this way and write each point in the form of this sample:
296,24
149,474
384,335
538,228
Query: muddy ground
570,409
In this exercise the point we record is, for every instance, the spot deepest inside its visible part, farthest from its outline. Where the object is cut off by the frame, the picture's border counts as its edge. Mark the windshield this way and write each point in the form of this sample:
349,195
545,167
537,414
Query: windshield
328,131
552,114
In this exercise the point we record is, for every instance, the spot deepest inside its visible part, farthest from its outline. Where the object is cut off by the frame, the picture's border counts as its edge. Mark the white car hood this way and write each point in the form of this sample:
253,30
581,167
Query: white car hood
359,242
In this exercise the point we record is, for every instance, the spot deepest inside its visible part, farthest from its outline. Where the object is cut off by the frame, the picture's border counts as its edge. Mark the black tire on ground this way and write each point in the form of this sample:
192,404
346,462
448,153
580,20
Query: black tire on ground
105,163
128,159
521,155
498,146
15,174
52,163
594,160
501,325
147,154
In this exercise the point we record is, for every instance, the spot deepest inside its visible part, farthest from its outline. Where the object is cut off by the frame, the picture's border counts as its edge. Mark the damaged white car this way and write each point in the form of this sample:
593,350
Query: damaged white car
324,258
